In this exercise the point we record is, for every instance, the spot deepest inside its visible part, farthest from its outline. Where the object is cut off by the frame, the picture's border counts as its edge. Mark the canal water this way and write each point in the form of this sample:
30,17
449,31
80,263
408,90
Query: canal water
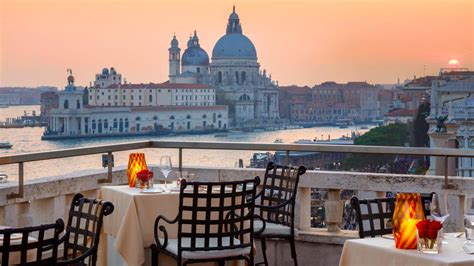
26,140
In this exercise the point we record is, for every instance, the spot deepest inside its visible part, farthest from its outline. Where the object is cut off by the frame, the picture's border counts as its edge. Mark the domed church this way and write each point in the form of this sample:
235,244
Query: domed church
234,71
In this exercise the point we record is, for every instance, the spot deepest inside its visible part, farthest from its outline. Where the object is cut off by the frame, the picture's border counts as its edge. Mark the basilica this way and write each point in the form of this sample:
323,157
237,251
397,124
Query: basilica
234,71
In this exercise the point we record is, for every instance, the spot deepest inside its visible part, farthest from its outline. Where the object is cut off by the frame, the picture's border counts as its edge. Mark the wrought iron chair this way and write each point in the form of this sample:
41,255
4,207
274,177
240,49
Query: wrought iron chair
214,223
82,234
375,218
277,206
45,244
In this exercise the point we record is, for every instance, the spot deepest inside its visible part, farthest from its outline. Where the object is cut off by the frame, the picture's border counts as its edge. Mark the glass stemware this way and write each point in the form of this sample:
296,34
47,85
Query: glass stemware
439,208
469,218
165,167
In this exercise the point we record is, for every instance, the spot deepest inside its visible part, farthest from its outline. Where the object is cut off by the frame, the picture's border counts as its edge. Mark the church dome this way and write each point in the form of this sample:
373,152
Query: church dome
194,55
234,44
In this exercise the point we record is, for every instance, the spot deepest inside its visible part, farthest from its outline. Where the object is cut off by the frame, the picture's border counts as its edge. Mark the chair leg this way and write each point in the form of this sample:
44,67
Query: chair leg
264,251
251,260
293,251
154,256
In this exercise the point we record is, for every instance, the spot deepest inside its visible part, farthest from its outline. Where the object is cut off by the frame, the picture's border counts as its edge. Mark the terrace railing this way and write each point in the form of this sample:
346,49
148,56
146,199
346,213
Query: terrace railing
334,181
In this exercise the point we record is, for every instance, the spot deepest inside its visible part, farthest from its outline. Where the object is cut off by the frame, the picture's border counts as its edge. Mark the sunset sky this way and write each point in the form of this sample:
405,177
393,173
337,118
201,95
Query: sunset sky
298,42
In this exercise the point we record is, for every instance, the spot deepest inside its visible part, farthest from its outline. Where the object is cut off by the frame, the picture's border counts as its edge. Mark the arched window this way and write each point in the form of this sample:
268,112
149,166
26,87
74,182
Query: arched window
126,122
188,117
172,117
244,97
243,76
150,98
155,117
66,104
204,116
106,124
237,77
137,118
94,125
115,122
219,76
78,104
219,116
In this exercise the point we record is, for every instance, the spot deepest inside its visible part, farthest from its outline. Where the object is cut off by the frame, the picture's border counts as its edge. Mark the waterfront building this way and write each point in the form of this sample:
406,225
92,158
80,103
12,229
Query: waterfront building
49,101
399,116
234,71
74,119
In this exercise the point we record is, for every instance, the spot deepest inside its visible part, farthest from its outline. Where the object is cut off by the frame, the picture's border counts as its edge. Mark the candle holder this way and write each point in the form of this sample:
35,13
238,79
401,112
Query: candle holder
408,212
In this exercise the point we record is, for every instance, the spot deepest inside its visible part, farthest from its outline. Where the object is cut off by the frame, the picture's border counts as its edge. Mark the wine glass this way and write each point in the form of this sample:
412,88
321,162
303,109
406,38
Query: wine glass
469,218
165,167
439,208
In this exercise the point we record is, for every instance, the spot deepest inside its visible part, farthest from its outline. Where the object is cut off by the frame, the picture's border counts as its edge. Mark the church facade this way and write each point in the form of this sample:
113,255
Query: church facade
250,94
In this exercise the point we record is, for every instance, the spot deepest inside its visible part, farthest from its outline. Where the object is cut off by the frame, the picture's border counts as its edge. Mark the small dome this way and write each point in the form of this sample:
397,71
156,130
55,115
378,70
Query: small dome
174,42
195,56
105,71
234,45
233,16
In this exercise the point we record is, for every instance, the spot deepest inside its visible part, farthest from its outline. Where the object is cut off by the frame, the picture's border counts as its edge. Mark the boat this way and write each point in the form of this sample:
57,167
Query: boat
221,135
5,145
343,127
278,141
364,127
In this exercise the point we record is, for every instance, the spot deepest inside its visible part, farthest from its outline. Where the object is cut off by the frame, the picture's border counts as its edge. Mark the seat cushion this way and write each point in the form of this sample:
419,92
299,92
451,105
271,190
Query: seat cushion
272,228
172,247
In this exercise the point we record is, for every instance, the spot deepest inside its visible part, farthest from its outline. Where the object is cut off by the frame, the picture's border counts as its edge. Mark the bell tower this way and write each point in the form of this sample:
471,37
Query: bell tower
174,58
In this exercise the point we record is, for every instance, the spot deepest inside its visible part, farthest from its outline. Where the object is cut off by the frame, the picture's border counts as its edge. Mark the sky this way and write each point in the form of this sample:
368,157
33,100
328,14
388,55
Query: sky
299,42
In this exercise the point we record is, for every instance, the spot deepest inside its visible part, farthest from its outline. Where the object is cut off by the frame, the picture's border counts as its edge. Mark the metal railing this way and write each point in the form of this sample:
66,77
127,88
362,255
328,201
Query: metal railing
20,159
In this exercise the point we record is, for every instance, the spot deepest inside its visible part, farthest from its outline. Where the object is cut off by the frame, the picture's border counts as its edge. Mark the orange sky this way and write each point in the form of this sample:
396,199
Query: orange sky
299,42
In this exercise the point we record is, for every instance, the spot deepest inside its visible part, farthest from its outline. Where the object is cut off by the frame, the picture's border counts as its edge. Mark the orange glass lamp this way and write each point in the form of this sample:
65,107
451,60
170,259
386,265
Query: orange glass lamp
136,163
408,212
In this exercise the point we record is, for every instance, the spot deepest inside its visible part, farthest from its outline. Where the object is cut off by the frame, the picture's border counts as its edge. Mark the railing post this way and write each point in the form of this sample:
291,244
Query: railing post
110,165
303,208
14,195
287,157
333,207
180,158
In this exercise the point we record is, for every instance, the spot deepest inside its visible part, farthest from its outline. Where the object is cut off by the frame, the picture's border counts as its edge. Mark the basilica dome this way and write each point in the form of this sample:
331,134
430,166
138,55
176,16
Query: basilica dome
234,44
194,55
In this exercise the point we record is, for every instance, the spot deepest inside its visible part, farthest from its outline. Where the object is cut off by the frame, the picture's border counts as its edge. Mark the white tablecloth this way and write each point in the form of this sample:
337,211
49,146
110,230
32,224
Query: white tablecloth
382,251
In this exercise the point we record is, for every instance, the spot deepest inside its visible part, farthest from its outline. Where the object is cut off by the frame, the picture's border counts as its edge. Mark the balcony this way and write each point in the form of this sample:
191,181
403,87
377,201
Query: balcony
44,199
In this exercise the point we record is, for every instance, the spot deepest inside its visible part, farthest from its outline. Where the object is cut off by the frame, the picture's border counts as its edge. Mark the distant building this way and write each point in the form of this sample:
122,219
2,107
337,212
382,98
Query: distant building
9,99
49,101
399,116
74,119
294,102
234,71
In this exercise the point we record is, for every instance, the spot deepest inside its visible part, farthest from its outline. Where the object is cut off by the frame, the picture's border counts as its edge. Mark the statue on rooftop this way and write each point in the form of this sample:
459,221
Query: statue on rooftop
440,126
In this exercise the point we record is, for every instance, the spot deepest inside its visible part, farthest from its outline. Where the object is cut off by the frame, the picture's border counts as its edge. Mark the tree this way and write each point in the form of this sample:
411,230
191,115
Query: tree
390,135
421,127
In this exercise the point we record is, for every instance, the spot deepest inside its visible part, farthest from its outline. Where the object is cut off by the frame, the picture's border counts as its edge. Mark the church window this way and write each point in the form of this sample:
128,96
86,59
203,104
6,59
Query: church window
115,122
137,118
204,116
172,117
214,116
198,70
126,122
66,104
150,98
242,76
219,77
188,117
78,104
237,77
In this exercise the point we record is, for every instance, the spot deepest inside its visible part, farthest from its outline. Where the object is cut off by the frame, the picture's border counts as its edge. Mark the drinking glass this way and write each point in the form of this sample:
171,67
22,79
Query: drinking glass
165,167
469,218
439,208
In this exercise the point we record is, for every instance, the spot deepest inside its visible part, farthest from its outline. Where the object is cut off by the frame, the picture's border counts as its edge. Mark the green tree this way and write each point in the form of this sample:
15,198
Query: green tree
390,135
421,127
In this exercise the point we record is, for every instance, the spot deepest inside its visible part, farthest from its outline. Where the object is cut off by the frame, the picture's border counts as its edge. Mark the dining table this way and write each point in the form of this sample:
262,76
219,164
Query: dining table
130,230
382,251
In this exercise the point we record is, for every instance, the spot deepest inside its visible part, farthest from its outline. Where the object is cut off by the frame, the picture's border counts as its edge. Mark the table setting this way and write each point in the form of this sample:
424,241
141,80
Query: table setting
416,239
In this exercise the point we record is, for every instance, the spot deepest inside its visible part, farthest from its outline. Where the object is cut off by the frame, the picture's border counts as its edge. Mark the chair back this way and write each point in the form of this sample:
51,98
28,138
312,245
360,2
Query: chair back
17,247
280,185
84,226
216,216
374,216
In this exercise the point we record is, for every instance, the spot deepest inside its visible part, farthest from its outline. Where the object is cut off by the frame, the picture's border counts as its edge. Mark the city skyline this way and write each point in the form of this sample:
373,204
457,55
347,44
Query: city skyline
41,39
